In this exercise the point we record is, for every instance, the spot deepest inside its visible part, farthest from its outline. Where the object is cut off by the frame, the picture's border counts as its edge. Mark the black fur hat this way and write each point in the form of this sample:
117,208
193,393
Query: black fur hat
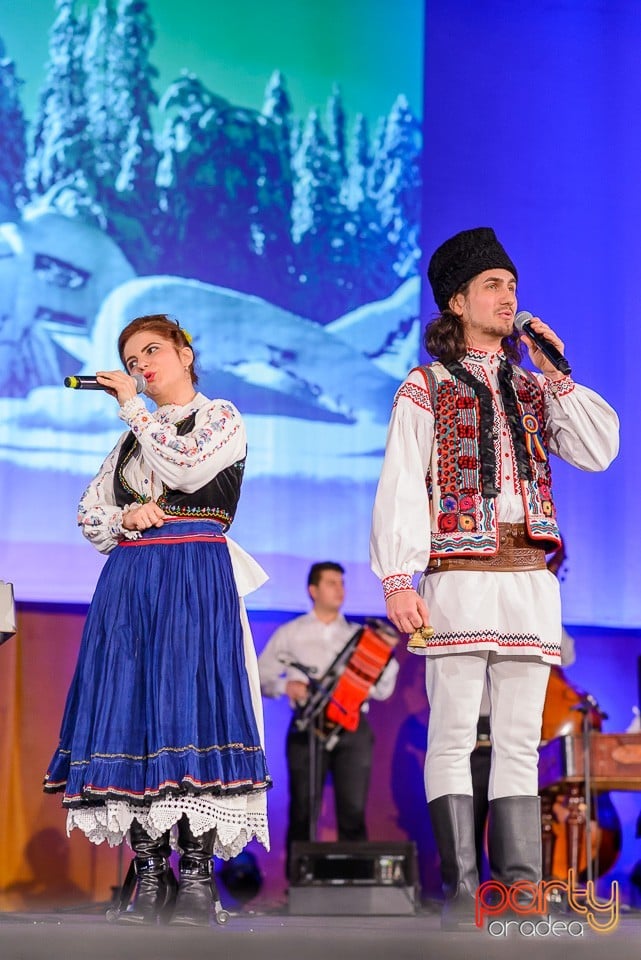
463,257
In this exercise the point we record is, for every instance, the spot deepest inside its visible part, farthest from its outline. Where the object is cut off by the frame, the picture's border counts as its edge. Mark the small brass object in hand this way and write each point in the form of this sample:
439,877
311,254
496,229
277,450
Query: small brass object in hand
418,640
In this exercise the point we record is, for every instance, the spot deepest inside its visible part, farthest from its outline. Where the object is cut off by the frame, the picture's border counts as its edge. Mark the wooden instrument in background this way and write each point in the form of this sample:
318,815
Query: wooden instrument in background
562,788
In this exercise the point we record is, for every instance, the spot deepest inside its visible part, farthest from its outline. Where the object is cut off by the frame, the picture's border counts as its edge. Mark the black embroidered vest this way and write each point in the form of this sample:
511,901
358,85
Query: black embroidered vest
216,500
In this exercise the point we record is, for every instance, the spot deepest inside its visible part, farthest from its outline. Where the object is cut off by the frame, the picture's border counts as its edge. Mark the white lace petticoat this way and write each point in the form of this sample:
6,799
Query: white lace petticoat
236,820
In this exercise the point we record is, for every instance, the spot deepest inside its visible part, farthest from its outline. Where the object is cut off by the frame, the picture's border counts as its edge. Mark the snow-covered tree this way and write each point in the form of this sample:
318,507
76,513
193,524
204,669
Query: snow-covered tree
275,202
399,194
100,91
336,122
225,189
355,184
376,173
133,94
12,123
372,277
321,225
130,192
62,148
317,183
276,104
188,177
355,212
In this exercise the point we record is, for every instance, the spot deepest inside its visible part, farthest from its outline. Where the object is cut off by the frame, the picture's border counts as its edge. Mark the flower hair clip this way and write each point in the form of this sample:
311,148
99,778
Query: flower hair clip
188,337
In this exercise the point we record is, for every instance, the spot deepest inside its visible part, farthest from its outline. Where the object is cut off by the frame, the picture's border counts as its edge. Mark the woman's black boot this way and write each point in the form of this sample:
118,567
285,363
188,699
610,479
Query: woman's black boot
156,885
196,888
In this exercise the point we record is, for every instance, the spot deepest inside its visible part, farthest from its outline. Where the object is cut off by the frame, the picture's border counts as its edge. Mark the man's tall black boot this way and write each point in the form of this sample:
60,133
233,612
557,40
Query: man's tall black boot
196,886
452,819
514,842
155,882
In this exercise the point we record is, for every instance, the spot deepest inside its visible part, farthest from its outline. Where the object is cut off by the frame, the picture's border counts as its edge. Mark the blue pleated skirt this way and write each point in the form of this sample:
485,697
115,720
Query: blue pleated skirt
160,700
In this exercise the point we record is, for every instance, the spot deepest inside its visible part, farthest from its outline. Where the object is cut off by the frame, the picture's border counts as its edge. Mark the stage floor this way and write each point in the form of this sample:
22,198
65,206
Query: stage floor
278,936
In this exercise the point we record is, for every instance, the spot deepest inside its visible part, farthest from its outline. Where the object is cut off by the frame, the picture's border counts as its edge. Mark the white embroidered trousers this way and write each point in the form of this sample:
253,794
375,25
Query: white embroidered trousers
517,688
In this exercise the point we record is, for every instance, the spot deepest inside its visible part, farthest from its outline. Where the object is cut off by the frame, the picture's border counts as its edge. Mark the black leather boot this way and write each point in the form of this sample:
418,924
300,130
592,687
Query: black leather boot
514,842
196,887
452,819
156,885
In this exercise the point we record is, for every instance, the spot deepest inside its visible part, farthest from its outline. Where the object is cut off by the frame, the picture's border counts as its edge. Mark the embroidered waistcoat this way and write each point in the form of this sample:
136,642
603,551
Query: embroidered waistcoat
215,500
462,501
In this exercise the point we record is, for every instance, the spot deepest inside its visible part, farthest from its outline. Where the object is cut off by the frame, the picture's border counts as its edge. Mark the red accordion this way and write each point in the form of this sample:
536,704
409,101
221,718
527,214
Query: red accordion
336,699
362,662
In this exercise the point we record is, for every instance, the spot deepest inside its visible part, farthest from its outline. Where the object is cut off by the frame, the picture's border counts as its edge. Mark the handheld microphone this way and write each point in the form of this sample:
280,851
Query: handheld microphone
523,325
91,383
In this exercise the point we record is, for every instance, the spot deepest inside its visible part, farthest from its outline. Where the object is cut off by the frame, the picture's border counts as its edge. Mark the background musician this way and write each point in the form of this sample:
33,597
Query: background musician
314,640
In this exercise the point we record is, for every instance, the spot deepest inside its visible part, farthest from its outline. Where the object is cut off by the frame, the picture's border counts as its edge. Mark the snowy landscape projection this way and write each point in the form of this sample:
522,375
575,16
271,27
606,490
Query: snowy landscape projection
287,245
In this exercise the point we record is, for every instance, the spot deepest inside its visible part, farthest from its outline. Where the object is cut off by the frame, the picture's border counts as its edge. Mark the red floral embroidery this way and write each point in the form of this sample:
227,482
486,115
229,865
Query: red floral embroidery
448,522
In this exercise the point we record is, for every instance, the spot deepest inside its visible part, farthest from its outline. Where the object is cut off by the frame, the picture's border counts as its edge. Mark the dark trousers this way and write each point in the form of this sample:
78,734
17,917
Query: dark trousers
349,762
480,762
480,766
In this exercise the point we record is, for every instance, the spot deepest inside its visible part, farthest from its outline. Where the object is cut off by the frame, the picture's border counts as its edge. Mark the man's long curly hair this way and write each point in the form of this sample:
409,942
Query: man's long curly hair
444,337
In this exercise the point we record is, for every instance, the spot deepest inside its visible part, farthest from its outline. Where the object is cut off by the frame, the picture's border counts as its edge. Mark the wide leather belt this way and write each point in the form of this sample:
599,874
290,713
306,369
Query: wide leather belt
516,553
